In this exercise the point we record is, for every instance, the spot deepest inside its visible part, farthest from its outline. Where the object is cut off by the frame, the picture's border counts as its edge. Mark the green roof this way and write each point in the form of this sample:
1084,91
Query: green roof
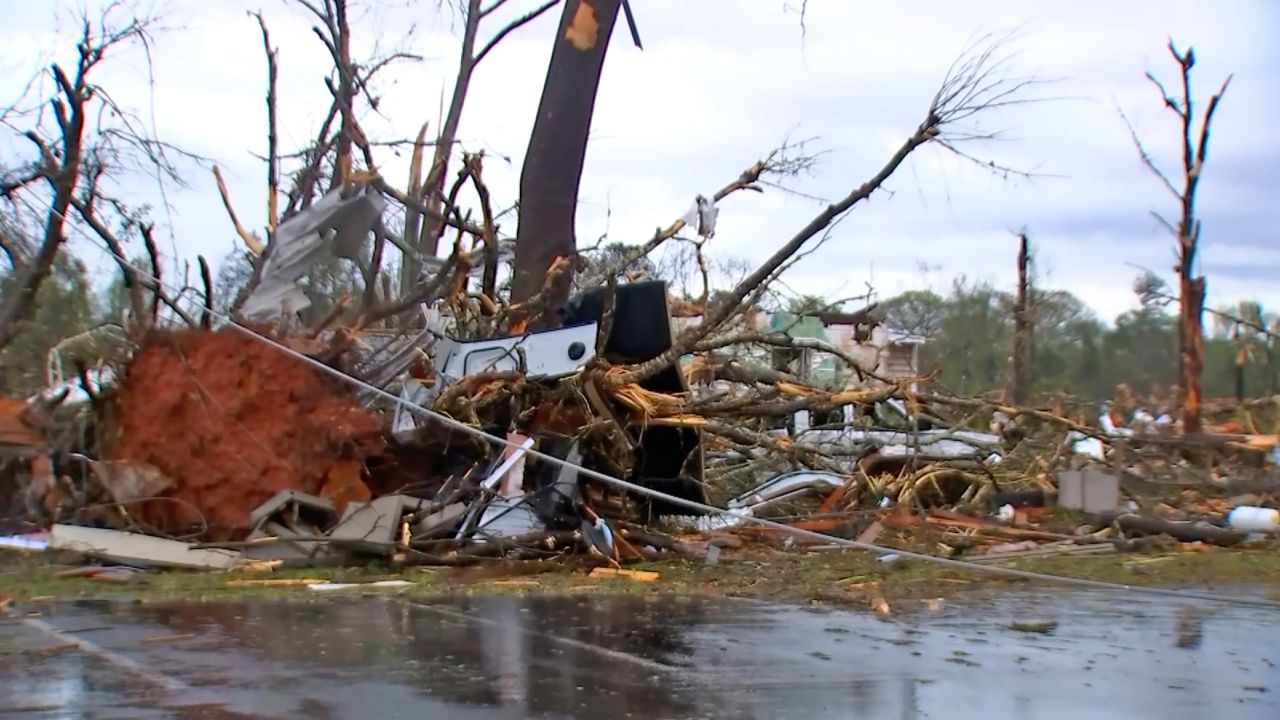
808,326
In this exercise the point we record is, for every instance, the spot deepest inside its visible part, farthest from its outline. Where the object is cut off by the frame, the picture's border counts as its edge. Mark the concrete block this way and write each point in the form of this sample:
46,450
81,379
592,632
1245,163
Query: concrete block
374,525
1092,491
306,504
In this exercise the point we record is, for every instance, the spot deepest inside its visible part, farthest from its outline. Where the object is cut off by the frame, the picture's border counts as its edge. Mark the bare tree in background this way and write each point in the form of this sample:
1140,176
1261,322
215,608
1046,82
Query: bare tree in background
1022,326
1191,287
90,138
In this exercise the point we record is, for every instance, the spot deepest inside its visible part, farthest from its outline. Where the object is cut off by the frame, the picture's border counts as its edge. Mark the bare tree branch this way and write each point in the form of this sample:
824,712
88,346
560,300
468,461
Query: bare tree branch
513,26
250,242
1147,161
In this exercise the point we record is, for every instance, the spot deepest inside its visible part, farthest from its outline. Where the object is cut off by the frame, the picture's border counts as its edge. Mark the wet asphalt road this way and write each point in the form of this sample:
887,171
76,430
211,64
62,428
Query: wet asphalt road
1111,656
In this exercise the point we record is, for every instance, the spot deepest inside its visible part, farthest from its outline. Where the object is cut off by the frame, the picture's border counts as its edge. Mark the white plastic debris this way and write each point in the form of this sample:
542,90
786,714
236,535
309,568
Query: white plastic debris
702,215
1088,446
1254,519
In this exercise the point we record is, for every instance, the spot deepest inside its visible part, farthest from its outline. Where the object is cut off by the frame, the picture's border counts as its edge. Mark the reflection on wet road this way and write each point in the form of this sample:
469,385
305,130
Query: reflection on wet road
612,657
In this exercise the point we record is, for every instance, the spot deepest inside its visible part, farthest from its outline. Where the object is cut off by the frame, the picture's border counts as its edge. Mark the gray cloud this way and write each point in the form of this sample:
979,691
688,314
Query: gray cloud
720,83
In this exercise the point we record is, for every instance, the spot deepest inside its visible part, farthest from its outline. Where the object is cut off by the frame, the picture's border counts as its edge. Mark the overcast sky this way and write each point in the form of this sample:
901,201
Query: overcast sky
721,82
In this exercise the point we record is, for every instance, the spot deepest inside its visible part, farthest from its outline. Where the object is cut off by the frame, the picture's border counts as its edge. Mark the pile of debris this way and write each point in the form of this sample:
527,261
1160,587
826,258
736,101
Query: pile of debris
448,424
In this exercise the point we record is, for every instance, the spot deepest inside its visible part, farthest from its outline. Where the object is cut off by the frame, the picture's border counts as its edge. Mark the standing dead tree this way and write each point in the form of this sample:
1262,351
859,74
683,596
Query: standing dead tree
91,137
1022,326
1191,287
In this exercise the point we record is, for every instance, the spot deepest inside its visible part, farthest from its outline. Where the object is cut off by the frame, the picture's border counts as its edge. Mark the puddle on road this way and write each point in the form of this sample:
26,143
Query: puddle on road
618,657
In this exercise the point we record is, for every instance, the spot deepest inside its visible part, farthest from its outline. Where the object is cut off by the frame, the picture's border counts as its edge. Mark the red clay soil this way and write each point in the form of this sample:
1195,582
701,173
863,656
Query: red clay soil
13,431
233,422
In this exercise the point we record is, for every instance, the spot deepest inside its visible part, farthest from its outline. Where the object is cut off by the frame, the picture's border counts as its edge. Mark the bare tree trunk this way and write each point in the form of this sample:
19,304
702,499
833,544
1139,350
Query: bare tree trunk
423,230
1191,338
1022,328
346,95
425,240
557,149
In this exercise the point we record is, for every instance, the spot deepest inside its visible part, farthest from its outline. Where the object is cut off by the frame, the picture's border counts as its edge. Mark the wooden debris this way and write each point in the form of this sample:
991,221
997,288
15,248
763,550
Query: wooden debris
872,533
274,582
1186,532
645,576
1064,548
168,639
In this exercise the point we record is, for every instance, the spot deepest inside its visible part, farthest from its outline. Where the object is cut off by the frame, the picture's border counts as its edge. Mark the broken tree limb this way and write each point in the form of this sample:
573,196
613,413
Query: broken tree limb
157,287
370,295
251,243
380,184
1010,410
745,181
434,185
1141,525
426,242
133,278
489,282
975,83
339,44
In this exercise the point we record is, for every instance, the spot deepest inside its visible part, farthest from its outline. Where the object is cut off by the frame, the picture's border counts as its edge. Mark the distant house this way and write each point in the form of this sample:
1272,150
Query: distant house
885,352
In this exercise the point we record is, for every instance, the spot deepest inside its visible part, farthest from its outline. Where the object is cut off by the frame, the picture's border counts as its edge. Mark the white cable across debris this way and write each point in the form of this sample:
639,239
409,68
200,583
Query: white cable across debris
450,422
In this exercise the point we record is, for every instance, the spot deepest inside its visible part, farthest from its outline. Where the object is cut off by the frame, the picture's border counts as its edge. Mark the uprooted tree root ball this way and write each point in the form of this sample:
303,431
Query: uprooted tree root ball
233,421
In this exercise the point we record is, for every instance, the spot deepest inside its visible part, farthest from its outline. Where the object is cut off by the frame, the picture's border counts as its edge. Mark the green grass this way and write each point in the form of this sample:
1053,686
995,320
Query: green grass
840,577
